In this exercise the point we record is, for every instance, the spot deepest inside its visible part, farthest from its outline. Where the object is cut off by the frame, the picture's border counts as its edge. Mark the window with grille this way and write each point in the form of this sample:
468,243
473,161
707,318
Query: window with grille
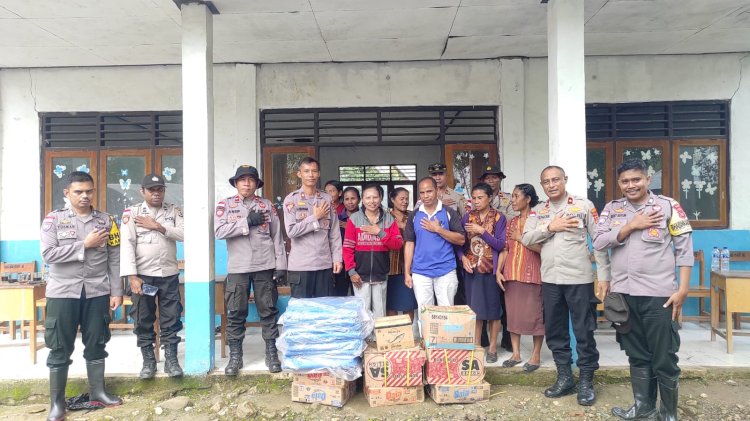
117,149
684,144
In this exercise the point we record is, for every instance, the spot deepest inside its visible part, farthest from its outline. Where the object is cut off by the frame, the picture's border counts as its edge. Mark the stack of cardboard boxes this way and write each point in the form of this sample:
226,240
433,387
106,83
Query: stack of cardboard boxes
454,368
393,365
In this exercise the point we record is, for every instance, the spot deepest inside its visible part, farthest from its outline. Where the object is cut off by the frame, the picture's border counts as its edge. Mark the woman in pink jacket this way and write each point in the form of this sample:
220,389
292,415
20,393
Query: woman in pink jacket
371,233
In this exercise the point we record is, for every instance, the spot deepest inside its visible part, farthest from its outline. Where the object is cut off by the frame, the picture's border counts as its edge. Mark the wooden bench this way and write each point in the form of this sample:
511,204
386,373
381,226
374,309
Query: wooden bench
22,271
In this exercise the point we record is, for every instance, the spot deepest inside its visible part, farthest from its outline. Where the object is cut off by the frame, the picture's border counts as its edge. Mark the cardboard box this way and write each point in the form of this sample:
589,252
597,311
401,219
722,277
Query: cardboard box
325,395
387,396
459,393
397,368
449,327
318,379
455,366
394,332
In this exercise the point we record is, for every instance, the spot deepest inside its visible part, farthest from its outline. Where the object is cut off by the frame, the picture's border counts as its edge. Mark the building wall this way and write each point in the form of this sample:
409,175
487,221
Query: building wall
518,86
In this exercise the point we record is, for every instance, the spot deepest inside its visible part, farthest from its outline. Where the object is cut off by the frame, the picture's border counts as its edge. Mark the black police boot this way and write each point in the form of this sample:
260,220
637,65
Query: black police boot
586,393
235,358
272,356
58,377
149,362
565,385
171,365
95,371
668,392
644,392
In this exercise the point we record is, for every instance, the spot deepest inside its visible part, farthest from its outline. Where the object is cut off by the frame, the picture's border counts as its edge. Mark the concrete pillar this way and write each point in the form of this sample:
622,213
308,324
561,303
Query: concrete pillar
566,91
198,160
512,122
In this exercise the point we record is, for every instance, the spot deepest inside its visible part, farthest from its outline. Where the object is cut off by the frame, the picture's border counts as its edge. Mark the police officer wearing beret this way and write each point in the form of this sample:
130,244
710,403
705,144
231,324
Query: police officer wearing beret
81,246
148,255
257,259
562,226
648,236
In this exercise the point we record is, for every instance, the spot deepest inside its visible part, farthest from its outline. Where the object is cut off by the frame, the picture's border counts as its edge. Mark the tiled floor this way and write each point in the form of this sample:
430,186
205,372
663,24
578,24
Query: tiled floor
125,360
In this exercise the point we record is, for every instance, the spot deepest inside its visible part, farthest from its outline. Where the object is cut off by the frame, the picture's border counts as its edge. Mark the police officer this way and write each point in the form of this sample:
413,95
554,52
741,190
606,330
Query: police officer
648,236
447,195
561,225
494,176
148,255
312,226
81,246
257,259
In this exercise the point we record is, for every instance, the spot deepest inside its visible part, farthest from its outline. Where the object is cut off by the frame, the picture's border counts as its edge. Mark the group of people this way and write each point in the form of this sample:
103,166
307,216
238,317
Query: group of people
520,263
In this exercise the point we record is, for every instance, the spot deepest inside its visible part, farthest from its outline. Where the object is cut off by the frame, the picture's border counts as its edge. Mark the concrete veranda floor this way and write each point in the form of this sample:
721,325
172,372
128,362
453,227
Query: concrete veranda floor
125,359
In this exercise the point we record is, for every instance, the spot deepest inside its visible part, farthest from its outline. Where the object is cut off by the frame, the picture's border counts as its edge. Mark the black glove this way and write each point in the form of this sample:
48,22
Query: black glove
255,218
279,276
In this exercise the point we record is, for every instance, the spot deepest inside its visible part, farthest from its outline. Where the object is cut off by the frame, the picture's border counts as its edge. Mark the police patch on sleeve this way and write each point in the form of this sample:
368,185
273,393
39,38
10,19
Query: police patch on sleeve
47,224
678,223
114,233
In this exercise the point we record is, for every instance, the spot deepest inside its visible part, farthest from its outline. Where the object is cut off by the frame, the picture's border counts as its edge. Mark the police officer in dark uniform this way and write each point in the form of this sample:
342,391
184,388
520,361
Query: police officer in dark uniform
148,255
648,236
81,246
257,259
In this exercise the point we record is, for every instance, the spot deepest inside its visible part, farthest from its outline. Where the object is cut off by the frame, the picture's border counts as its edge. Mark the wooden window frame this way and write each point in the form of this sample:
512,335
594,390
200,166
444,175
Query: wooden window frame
450,148
609,153
102,181
268,153
723,188
666,160
47,173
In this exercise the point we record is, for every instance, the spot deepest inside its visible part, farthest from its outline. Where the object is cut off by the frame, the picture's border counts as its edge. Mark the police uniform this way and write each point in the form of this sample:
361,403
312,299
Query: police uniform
501,202
81,282
152,256
567,278
316,244
460,204
253,255
643,270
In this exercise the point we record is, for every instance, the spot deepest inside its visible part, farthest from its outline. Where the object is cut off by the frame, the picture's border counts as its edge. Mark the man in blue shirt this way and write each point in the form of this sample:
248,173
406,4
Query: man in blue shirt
429,260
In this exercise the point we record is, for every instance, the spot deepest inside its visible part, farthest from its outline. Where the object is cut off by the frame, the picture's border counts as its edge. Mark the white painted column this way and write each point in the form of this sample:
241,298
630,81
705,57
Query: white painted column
566,91
198,161
512,122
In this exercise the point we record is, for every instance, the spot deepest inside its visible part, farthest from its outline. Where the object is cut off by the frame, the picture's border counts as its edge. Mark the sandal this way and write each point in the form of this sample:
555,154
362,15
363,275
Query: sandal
530,367
511,363
491,357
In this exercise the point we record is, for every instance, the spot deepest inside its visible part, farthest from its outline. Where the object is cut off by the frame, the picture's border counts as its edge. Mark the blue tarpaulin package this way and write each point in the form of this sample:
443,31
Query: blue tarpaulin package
325,335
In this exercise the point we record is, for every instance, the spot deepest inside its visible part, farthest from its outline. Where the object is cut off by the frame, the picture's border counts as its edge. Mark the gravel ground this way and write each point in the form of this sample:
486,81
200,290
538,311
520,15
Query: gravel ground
708,397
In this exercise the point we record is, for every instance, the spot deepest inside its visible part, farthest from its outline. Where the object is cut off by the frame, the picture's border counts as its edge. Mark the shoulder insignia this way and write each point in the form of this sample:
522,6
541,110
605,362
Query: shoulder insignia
48,221
220,208
678,222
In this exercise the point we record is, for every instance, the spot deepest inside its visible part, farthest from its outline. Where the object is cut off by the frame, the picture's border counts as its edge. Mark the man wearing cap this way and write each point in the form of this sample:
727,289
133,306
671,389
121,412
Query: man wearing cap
493,176
447,195
562,226
148,255
257,259
648,235
313,228
81,246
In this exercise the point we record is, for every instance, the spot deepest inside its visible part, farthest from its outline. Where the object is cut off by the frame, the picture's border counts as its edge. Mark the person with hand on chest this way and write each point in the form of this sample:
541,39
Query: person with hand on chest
148,256
562,225
312,226
256,258
81,246
648,235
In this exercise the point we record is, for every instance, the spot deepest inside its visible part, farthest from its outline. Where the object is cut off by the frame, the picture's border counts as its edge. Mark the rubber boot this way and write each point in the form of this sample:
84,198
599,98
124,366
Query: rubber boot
235,359
565,385
586,393
668,392
95,371
644,392
171,365
272,356
58,377
149,362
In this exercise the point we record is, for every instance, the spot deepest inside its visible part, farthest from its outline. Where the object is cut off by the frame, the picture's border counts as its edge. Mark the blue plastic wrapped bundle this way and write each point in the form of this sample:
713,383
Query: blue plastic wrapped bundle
325,335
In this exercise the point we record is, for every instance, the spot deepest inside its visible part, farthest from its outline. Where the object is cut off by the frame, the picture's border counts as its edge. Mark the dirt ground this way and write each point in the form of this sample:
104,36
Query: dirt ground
703,396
